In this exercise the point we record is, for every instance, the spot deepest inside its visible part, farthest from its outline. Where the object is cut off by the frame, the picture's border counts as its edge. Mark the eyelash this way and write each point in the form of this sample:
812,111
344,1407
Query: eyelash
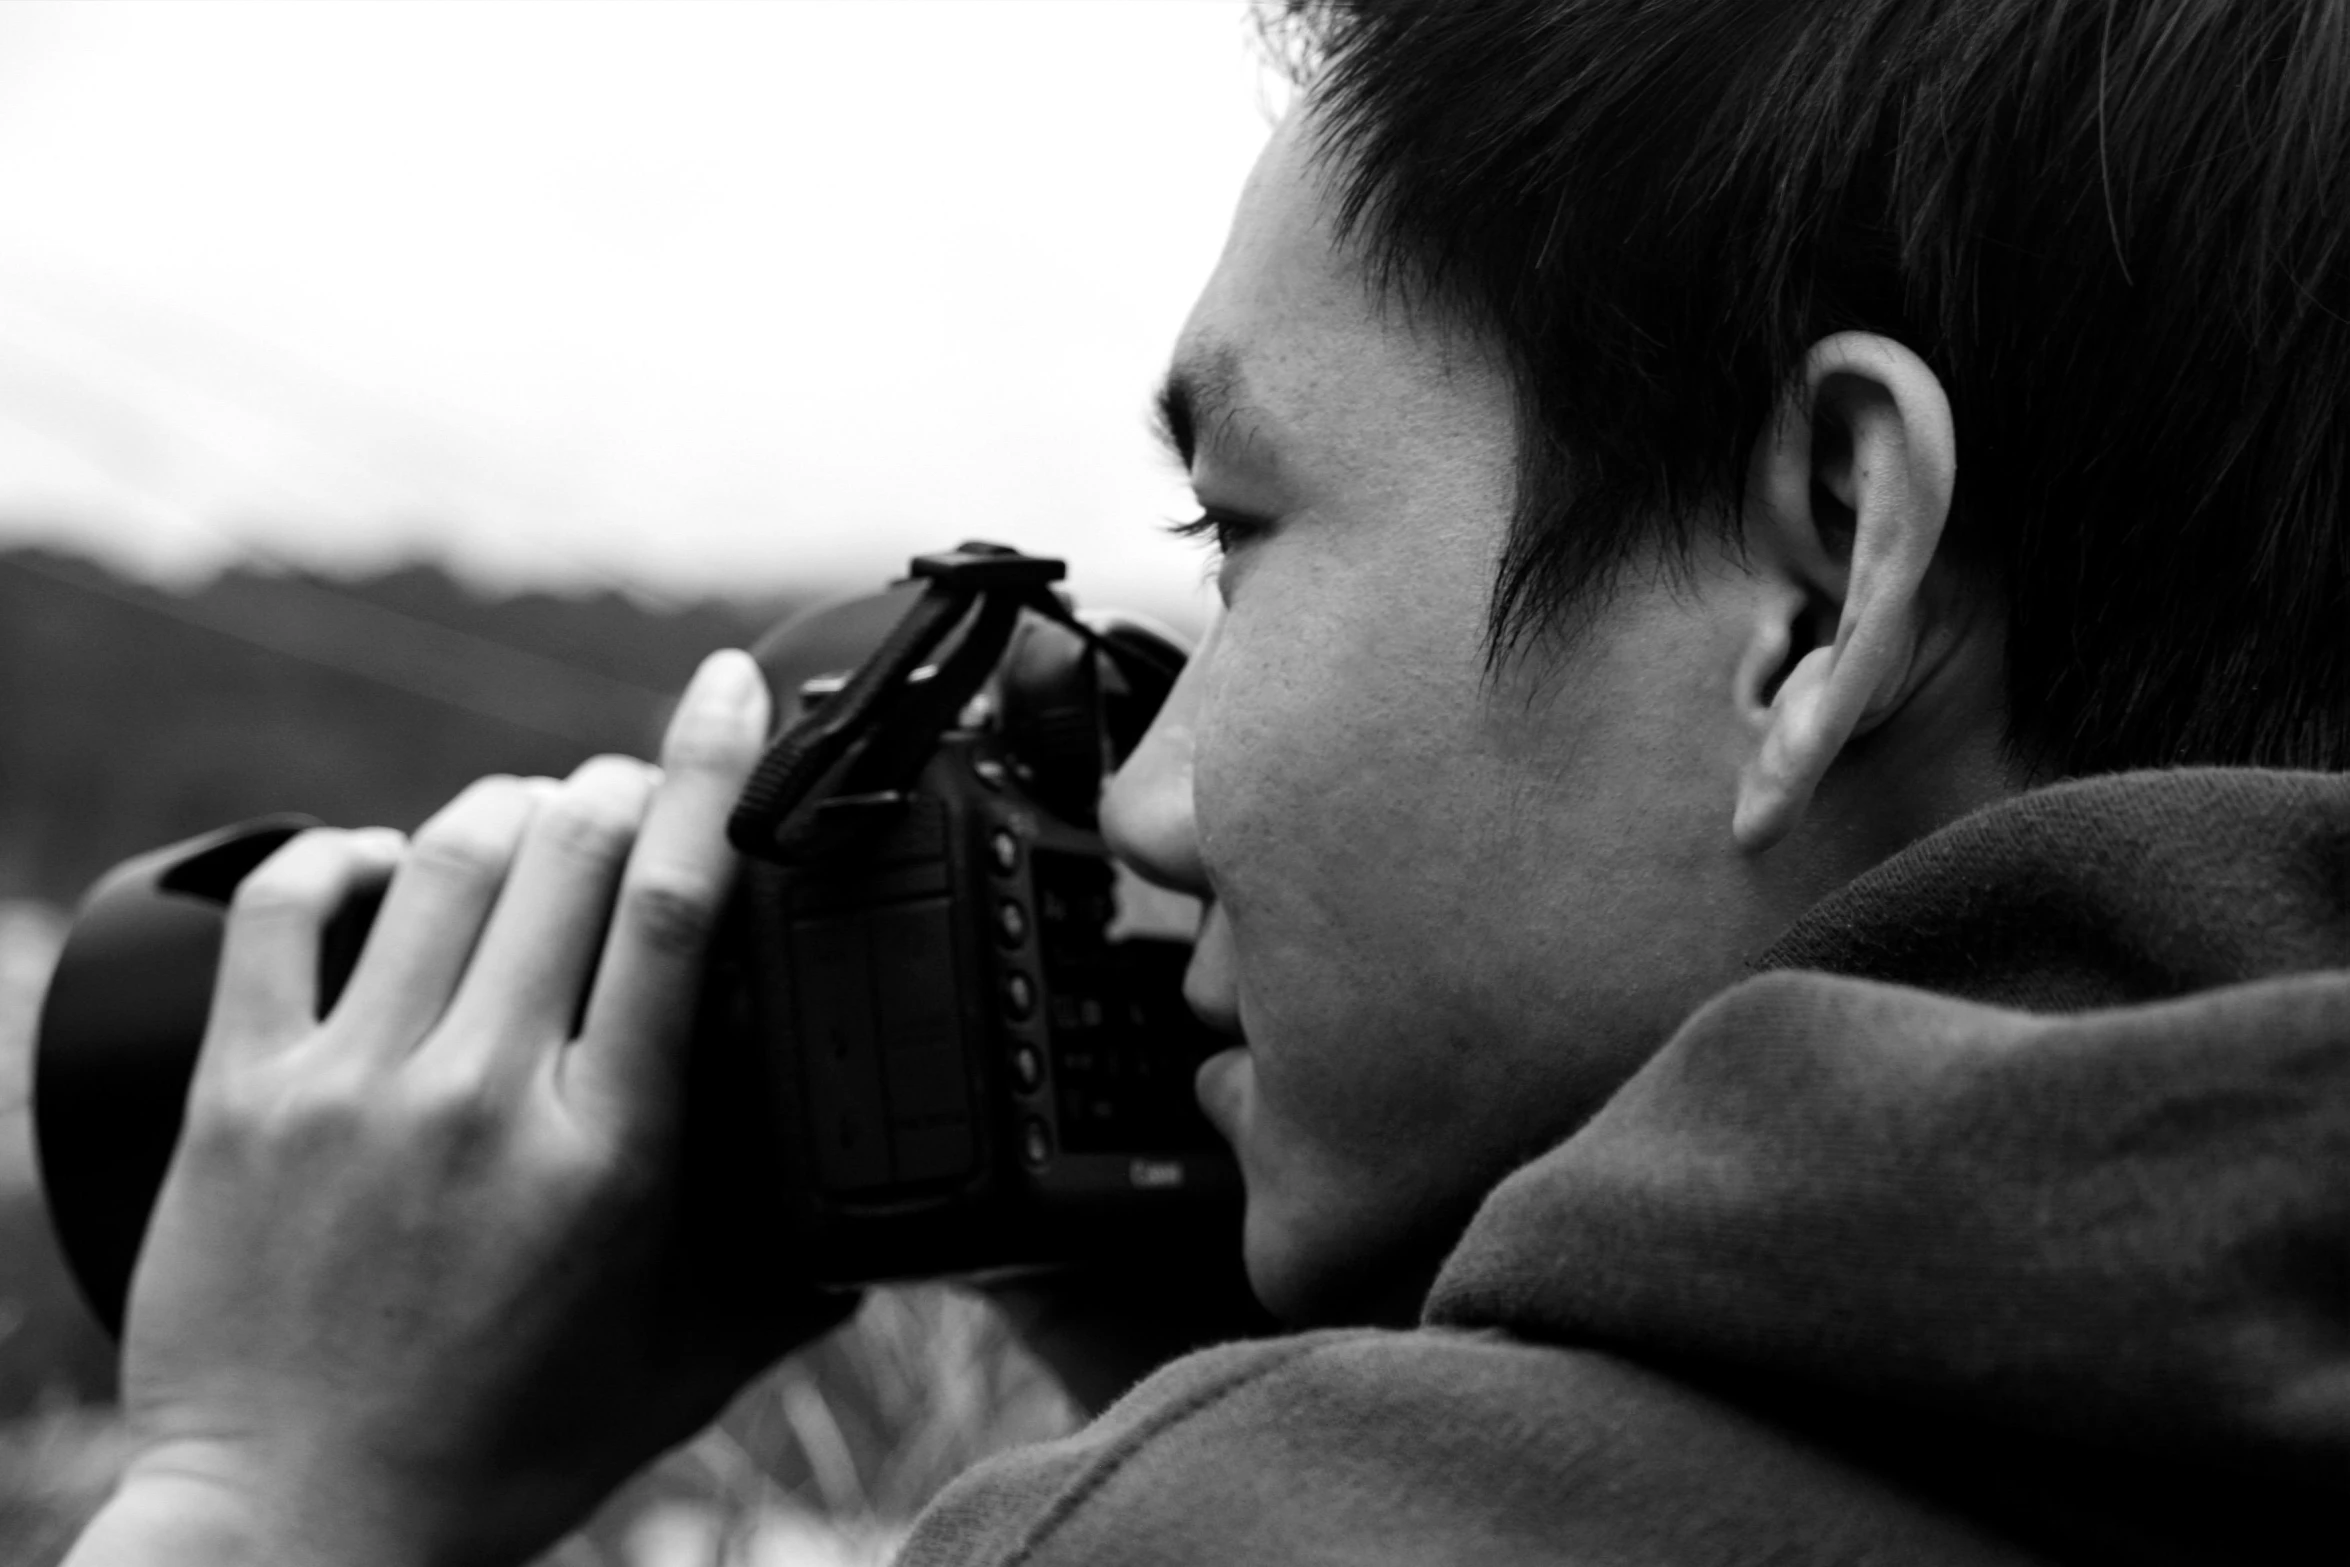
1227,531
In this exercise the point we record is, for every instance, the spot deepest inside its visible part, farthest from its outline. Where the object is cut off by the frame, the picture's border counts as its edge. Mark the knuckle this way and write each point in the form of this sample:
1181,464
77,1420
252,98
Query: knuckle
275,897
477,830
609,769
381,845
564,1163
304,878
453,1112
318,1109
225,1115
330,1111
669,915
589,828
610,1176
305,1107
596,810
460,850
493,791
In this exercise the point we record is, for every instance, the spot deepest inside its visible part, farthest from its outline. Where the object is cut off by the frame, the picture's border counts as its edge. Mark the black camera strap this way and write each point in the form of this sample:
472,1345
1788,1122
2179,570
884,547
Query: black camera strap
870,739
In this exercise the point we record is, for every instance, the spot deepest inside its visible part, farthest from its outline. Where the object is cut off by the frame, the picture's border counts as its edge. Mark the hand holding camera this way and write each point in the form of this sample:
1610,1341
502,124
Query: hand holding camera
413,1274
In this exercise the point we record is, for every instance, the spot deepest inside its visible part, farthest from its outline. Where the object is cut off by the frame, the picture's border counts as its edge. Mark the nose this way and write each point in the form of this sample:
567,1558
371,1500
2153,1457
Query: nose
1147,813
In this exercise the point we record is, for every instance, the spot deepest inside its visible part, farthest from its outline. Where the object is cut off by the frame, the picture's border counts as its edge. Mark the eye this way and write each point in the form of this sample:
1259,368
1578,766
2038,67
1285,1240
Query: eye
1227,530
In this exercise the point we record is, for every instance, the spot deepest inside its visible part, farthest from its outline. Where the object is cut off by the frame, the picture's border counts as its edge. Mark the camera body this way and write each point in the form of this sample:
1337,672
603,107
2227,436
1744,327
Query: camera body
986,1062
934,1039
980,1069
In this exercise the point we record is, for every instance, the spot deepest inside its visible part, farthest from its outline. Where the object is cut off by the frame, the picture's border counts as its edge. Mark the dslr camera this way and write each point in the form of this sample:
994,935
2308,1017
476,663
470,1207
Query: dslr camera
937,1035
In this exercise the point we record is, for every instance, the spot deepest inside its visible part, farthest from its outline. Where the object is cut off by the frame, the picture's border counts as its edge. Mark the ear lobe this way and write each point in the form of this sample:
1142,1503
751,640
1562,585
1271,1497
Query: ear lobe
1867,433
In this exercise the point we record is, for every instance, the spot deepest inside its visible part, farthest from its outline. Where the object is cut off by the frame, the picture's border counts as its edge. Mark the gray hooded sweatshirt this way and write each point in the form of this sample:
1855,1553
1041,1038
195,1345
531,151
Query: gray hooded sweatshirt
2004,1216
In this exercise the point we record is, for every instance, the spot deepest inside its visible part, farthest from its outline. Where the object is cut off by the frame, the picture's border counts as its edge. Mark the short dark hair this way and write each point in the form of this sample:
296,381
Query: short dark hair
2118,230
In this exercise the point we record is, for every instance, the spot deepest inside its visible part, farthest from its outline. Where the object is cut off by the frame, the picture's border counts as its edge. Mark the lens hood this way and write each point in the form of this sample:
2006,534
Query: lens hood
118,1037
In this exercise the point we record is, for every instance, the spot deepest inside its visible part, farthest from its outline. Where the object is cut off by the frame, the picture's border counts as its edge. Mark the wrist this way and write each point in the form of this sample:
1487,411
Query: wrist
181,1514
165,1520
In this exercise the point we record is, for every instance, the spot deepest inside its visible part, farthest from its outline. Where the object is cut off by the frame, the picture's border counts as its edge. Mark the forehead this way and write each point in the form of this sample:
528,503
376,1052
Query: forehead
1291,338
1282,258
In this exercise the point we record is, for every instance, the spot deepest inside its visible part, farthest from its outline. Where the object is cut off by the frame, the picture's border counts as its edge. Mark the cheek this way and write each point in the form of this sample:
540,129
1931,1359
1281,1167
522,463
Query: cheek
1342,814
1304,775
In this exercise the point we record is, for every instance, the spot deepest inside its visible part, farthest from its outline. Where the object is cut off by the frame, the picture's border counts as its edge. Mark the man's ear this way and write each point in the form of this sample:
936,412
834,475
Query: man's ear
1846,502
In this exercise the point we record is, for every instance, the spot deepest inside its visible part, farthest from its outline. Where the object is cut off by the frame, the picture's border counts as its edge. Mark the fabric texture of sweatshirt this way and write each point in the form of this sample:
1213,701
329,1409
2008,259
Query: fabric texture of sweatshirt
2005,1217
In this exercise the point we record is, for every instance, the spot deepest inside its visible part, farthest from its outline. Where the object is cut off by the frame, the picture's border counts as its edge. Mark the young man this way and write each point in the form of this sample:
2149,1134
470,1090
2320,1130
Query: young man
1703,488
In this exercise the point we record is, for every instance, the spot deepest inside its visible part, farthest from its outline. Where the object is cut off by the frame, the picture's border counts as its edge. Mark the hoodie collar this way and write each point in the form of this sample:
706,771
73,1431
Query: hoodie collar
2035,1139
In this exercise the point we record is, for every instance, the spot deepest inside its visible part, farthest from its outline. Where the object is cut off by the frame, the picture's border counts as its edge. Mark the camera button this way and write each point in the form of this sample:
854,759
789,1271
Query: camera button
1003,851
1019,995
1027,1068
1011,923
1036,1142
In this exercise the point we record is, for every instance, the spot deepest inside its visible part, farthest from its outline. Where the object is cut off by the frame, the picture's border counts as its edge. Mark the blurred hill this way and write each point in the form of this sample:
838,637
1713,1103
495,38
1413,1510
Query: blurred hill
131,716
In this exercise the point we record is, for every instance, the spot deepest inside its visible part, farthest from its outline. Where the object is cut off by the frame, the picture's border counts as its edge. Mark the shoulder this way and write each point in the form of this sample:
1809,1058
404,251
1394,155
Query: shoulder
1427,1446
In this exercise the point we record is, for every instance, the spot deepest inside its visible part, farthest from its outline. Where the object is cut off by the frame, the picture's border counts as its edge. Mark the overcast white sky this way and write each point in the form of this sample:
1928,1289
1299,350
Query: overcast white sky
690,296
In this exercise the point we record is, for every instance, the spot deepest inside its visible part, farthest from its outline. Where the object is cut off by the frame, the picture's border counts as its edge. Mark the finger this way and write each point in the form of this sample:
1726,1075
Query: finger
630,1055
440,897
522,991
266,996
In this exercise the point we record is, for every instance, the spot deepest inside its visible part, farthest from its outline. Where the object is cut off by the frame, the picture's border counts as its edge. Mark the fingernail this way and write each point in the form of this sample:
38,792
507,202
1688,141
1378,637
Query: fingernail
728,682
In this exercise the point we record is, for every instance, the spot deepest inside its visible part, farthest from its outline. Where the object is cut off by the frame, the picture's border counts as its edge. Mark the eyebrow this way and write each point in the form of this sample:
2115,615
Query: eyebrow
1197,400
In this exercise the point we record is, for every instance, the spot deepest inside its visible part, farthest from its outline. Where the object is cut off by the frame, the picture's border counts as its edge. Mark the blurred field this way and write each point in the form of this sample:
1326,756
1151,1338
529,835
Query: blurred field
820,1465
